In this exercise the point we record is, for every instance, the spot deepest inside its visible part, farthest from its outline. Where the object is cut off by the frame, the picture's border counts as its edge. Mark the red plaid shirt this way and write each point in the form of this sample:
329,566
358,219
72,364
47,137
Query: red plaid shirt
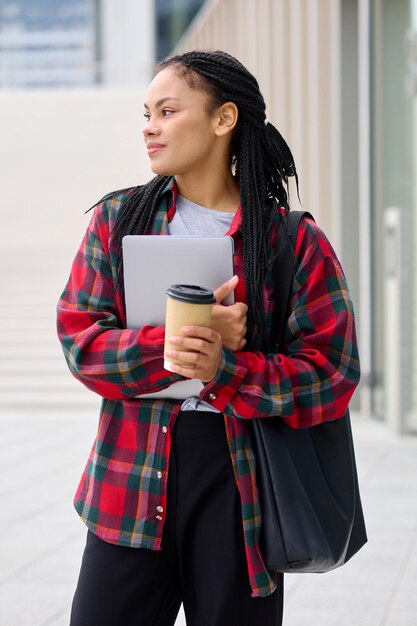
126,476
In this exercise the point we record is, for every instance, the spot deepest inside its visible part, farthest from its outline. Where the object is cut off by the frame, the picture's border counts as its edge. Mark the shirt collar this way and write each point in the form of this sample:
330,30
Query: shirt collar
171,188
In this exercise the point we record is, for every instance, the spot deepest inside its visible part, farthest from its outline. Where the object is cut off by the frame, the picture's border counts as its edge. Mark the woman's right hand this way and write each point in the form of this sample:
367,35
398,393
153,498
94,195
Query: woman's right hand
229,321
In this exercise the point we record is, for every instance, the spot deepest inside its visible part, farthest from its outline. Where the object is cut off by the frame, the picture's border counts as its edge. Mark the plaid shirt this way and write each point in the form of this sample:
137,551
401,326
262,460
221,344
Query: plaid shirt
124,484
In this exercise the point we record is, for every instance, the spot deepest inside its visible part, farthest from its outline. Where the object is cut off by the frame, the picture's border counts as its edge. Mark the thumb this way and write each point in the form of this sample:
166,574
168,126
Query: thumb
223,291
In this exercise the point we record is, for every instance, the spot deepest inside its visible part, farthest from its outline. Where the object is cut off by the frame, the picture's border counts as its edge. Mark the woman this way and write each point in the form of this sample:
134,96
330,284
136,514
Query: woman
169,492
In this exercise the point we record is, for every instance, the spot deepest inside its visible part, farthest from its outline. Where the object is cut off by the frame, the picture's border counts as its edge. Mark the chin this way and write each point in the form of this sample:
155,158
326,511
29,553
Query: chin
161,170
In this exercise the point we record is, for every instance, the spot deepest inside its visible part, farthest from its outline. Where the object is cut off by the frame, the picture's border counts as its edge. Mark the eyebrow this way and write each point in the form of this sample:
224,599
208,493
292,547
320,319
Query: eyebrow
161,101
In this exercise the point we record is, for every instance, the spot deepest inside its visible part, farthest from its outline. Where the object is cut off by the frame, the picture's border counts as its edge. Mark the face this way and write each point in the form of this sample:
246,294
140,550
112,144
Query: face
179,132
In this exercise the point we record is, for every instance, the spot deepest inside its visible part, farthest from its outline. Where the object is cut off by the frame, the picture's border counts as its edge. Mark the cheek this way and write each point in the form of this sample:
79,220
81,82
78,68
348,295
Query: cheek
188,143
195,141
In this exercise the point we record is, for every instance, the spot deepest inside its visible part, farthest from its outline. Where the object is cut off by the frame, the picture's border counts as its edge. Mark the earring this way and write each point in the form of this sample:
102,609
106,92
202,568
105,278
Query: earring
233,165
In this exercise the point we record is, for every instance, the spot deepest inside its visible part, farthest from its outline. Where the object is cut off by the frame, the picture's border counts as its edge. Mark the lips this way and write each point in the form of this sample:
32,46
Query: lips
152,148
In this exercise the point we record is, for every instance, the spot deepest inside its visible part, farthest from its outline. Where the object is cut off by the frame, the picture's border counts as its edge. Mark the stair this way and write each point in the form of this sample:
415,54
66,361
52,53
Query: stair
33,371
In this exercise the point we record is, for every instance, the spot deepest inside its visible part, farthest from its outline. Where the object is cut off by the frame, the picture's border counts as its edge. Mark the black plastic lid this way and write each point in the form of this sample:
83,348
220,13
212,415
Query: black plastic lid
192,294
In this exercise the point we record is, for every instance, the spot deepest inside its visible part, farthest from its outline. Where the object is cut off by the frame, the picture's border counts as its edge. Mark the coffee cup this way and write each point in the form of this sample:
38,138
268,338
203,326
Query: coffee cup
186,305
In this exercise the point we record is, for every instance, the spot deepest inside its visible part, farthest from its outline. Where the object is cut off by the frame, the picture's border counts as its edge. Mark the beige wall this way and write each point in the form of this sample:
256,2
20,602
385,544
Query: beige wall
292,46
61,151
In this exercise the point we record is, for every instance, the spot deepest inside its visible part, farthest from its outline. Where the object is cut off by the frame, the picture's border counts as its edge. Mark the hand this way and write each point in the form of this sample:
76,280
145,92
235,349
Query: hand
204,360
229,321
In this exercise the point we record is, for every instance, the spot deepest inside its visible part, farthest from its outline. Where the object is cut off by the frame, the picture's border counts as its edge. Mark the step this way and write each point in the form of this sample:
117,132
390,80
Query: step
32,323
32,352
48,401
23,337
38,384
33,369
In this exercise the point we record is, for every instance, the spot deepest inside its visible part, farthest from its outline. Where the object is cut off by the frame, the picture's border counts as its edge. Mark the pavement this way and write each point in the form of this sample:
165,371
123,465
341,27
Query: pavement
41,537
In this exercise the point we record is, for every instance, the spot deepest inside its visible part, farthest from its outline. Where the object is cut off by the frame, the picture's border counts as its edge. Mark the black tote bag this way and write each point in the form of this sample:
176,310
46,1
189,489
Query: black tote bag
312,518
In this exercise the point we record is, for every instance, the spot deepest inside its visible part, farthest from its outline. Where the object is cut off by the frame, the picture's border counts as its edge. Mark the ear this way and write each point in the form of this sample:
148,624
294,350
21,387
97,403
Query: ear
226,118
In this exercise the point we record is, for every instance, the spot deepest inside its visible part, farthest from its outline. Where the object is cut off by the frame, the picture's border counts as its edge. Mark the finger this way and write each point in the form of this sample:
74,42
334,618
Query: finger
241,307
187,372
185,358
201,332
190,372
192,344
202,371
225,289
236,311
190,361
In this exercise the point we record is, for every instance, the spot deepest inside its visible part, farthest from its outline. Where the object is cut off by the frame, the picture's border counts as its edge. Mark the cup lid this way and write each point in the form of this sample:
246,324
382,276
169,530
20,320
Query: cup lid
191,293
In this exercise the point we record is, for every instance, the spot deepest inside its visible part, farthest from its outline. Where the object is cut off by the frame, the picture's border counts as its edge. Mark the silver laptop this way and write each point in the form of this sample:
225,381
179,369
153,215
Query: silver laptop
154,262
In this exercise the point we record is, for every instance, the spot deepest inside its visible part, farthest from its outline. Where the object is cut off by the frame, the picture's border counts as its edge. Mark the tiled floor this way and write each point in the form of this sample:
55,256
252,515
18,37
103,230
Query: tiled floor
42,456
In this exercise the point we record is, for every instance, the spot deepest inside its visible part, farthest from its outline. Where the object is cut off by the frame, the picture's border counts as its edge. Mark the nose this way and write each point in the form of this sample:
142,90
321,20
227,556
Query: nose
150,128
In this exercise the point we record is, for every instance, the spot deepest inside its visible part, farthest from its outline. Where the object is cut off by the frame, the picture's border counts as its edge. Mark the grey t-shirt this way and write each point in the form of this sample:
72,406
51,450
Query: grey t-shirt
193,219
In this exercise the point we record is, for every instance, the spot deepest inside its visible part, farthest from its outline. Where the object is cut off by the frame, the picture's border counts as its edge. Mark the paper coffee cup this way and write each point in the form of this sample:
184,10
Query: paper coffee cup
186,305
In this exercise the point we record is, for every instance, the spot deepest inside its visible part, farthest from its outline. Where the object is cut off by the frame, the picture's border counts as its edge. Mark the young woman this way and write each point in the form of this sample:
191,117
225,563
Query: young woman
169,491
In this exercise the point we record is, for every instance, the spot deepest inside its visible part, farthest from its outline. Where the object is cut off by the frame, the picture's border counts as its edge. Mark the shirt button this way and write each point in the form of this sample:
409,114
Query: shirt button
160,509
159,474
164,429
159,518
212,396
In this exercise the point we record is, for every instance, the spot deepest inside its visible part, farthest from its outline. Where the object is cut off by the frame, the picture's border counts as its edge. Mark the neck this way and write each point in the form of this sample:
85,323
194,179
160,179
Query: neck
213,190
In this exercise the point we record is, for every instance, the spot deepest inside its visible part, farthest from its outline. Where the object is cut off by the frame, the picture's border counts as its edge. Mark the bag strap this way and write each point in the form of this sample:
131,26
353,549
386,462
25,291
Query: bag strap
283,271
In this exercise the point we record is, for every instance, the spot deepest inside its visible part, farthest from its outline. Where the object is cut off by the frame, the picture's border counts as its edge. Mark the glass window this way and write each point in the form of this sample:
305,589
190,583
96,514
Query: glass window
394,120
172,19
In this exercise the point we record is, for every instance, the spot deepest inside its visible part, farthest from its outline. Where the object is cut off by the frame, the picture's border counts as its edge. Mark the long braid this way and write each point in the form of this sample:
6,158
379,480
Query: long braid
135,214
263,160
253,230
263,165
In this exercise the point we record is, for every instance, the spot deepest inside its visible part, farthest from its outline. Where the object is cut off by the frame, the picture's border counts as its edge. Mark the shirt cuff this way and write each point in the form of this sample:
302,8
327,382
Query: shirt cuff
221,390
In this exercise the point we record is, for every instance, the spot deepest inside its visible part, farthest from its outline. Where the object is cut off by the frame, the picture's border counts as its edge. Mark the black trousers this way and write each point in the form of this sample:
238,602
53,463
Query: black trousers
202,562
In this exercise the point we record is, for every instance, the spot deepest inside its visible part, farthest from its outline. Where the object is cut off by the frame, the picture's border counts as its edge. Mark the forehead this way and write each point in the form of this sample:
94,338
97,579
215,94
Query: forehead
167,83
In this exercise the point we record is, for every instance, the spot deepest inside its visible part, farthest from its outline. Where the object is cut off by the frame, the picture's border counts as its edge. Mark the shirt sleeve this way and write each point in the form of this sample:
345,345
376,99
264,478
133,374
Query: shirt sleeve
314,378
115,362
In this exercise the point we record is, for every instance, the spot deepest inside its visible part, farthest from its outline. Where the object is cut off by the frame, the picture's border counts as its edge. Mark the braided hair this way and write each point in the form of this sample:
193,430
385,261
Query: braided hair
262,161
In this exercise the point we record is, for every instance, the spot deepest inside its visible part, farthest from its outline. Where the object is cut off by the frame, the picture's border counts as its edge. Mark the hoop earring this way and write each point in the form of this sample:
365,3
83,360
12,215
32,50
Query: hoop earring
233,165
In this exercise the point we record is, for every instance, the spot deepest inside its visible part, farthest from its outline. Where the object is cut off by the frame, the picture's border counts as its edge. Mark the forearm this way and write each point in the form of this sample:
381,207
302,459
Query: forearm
106,357
314,377
115,363
303,389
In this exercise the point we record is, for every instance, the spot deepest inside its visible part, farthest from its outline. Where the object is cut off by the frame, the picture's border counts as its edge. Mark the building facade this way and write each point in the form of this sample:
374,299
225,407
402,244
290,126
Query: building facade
75,43
46,43
393,158
340,81
172,18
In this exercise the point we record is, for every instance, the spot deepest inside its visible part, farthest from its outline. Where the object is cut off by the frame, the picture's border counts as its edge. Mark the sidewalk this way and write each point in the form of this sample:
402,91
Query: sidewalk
42,456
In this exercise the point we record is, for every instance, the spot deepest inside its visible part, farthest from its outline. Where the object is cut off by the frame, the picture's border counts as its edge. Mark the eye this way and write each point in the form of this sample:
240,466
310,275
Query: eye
166,112
147,116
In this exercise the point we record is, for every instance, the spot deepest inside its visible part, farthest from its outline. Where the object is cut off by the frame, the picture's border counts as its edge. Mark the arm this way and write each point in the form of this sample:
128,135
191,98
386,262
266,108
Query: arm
113,361
315,378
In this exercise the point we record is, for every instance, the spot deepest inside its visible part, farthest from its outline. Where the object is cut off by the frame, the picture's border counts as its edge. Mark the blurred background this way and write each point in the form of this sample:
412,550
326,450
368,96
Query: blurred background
340,81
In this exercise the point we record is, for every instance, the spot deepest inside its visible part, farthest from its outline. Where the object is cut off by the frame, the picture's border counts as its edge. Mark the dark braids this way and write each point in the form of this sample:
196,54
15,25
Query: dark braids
262,159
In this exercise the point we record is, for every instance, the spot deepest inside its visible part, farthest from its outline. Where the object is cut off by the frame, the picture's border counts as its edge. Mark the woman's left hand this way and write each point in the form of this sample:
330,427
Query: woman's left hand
204,361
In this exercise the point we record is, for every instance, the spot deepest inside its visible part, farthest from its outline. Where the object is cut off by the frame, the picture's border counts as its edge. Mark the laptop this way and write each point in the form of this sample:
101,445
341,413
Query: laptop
152,263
